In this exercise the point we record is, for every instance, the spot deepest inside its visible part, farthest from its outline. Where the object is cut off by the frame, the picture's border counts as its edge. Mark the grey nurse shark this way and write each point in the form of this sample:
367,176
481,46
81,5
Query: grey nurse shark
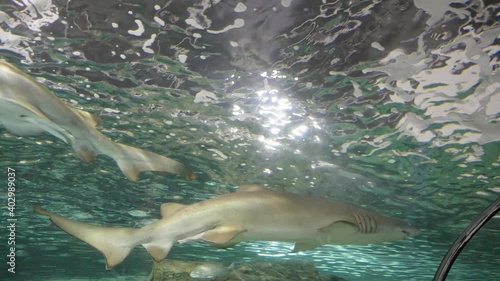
249,214
28,108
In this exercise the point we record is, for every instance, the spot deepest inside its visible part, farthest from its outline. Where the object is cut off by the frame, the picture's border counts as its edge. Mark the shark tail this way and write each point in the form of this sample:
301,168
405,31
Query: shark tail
115,243
132,161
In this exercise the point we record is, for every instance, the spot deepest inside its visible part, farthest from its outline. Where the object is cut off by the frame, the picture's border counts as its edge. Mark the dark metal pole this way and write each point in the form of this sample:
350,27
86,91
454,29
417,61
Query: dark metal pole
464,238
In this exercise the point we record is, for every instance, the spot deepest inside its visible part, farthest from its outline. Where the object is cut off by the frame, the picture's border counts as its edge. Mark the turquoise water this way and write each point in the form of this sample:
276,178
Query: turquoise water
393,106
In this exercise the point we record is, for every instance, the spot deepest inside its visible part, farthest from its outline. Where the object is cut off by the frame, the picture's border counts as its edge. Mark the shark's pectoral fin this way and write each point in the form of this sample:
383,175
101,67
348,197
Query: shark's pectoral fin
340,227
86,153
327,235
306,245
222,235
48,126
167,209
158,251
22,129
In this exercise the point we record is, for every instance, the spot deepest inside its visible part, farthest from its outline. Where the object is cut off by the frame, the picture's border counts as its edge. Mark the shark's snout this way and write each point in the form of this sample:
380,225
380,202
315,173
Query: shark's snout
410,230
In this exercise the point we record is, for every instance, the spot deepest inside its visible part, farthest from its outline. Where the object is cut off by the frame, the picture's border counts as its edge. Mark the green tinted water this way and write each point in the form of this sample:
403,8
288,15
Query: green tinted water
413,136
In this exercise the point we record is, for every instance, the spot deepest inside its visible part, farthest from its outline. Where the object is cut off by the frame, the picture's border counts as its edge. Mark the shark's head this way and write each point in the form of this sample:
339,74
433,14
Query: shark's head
378,228
367,228
410,230
390,229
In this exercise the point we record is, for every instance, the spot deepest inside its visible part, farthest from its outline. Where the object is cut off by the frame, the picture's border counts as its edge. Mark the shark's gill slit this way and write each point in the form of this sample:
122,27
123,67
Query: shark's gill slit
368,220
368,224
369,227
359,222
362,220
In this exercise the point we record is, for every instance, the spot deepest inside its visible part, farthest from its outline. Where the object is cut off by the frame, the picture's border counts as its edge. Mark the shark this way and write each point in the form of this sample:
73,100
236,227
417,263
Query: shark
251,213
28,108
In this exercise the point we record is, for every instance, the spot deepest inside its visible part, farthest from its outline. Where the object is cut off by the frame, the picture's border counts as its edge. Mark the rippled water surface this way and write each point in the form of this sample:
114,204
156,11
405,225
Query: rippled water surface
390,105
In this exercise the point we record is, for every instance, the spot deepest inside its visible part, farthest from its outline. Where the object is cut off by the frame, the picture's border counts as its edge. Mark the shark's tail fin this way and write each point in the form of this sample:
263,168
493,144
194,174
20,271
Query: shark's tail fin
132,161
114,242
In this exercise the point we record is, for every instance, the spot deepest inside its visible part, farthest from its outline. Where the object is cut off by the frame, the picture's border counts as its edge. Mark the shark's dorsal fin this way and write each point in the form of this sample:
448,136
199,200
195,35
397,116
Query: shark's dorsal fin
158,251
222,234
250,188
306,245
167,209
88,117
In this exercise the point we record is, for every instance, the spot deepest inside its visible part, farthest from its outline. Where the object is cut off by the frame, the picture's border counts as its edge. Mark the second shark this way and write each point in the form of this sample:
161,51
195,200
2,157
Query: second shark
28,108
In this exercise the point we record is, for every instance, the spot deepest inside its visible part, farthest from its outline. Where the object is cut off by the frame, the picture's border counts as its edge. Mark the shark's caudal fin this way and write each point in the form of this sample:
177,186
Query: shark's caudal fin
114,242
132,161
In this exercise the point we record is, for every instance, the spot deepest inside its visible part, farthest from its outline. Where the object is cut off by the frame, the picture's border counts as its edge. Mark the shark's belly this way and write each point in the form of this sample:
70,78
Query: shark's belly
14,119
285,233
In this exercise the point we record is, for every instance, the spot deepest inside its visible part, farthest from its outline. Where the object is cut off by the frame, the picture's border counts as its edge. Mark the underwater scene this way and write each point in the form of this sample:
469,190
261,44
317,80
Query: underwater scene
248,140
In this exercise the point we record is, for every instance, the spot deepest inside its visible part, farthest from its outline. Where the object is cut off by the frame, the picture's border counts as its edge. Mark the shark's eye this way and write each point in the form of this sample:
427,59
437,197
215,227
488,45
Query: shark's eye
405,232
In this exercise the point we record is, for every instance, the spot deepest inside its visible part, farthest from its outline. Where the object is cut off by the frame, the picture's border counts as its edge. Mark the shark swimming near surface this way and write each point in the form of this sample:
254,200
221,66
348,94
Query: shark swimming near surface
28,108
252,213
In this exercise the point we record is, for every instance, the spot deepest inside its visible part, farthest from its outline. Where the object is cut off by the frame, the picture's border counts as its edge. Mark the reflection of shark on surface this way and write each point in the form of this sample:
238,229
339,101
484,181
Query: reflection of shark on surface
251,213
28,108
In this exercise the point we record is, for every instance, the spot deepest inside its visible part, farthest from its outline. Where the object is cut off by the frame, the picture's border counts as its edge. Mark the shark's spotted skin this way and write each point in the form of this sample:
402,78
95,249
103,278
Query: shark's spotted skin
249,214
28,108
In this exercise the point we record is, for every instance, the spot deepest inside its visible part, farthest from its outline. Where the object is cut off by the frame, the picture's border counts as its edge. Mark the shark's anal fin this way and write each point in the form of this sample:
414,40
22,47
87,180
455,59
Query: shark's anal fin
158,251
168,209
222,235
250,188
